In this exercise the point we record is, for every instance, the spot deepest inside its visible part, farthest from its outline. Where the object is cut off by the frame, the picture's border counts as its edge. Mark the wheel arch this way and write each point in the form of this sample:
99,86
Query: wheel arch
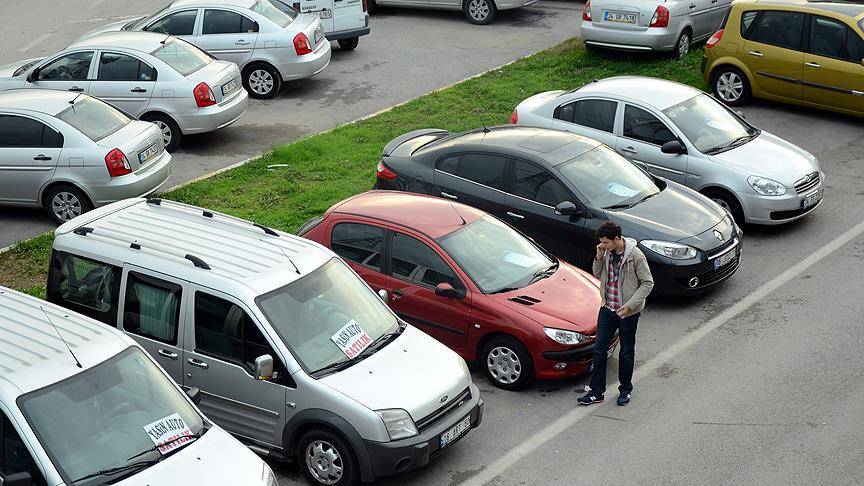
46,189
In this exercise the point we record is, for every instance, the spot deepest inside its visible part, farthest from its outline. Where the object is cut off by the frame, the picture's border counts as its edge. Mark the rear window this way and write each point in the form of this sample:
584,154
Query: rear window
279,16
182,56
94,118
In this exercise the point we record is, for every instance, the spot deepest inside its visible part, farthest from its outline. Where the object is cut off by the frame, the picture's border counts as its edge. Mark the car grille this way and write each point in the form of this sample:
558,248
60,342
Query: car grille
714,276
722,248
444,411
808,182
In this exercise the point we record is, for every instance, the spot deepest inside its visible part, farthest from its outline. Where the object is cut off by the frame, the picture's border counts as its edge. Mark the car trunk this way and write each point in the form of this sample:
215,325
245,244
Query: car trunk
310,25
632,15
223,78
134,140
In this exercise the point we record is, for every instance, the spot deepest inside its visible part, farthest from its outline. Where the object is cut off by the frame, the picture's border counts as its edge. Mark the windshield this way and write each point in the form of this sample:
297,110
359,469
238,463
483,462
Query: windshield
137,24
97,419
313,314
708,124
494,255
94,118
608,180
280,16
182,56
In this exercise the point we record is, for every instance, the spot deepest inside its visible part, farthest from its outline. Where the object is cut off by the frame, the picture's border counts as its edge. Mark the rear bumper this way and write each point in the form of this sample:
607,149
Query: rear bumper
349,33
305,66
651,39
214,117
137,184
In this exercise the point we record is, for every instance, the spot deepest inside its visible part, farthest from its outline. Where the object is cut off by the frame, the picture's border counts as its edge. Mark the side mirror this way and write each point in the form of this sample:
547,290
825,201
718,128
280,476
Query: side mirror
194,394
33,75
383,294
741,113
17,479
673,147
264,367
444,289
567,208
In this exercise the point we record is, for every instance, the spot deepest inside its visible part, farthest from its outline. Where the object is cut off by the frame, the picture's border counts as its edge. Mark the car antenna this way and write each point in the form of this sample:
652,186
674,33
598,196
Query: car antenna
61,337
457,212
163,41
486,129
72,102
286,256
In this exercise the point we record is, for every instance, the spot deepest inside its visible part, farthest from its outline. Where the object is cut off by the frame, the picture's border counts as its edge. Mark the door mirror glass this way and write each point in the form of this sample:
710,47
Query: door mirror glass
32,76
194,394
444,289
673,147
264,367
383,294
566,208
17,479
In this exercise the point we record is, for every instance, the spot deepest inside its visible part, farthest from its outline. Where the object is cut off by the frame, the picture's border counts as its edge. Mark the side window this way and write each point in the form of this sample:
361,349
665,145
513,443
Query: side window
537,184
412,260
359,243
597,114
449,165
564,112
120,67
778,28
224,22
832,38
71,67
85,286
641,125
14,456
152,308
483,169
23,132
747,19
180,23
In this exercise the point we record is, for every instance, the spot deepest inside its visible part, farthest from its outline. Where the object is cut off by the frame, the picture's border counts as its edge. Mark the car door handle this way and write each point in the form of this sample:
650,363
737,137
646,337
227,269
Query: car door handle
198,363
630,150
813,64
396,294
692,5
138,90
449,196
514,215
242,43
76,89
756,53
167,354
41,157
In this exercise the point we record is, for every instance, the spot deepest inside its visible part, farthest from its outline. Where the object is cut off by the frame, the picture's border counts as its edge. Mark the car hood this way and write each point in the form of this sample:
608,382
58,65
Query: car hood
112,27
412,373
7,70
770,156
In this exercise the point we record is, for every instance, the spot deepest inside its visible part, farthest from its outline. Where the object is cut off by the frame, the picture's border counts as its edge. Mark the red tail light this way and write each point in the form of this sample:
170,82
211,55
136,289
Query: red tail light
117,163
383,172
203,95
714,39
514,117
586,11
301,44
660,18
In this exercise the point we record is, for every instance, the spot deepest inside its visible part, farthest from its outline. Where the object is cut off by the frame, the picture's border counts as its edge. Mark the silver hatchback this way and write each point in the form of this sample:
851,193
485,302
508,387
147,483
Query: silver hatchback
68,152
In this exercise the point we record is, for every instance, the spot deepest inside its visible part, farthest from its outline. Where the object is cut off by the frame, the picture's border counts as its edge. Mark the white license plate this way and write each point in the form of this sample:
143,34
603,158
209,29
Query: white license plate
148,153
318,35
325,14
620,17
456,431
229,87
812,199
724,260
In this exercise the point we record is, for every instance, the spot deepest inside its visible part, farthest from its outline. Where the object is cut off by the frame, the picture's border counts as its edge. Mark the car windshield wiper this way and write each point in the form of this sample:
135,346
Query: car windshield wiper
379,343
135,466
194,437
620,206
337,366
734,143
544,273
504,289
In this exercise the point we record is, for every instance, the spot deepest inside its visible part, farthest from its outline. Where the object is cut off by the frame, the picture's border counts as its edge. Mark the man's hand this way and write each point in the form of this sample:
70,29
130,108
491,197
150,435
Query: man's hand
623,311
600,252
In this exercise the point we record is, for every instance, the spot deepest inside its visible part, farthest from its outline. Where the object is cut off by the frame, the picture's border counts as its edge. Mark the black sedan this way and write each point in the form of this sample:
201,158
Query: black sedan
558,187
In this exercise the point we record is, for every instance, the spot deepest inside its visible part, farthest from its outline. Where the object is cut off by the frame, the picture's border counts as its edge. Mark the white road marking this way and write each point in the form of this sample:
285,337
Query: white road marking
34,42
549,432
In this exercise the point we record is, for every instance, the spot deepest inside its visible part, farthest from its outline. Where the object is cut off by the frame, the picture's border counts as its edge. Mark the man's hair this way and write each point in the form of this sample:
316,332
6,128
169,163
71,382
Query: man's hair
609,230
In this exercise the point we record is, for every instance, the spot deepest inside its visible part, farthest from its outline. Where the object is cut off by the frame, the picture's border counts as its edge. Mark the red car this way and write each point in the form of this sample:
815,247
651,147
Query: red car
469,280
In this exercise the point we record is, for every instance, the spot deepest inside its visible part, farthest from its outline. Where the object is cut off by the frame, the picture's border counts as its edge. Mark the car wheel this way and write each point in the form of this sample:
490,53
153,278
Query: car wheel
262,81
371,7
349,44
480,12
171,133
682,47
507,363
66,202
326,459
731,86
728,202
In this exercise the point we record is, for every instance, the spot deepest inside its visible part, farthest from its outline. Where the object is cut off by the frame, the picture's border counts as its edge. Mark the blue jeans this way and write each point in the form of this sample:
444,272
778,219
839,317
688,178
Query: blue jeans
607,322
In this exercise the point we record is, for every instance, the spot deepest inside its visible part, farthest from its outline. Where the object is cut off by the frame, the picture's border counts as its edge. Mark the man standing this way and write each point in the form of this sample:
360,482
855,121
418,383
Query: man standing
625,282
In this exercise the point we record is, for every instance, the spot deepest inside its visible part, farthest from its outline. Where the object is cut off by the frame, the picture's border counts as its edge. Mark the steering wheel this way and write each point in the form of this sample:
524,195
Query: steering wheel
64,73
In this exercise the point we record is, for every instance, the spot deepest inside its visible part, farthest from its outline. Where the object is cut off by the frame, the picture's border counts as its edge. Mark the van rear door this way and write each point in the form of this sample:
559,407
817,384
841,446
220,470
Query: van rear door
323,8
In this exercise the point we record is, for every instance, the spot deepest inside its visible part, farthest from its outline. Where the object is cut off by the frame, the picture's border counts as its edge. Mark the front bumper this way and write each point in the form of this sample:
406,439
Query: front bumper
140,183
305,66
650,39
576,361
767,210
685,278
211,118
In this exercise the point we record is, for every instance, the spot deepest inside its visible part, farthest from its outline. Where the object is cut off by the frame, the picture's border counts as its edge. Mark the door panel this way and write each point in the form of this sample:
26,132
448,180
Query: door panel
832,68
315,7
29,151
227,35
701,15
773,52
474,179
362,247
642,134
124,81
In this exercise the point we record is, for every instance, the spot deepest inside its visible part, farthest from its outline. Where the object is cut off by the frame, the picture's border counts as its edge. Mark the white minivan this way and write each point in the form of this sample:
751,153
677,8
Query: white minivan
293,353
82,404
344,21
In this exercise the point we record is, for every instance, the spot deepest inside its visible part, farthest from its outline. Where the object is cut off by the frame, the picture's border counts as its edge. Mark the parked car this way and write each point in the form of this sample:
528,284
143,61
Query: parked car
654,25
68,153
292,351
558,187
344,21
81,403
269,44
152,77
682,134
807,53
470,281
480,12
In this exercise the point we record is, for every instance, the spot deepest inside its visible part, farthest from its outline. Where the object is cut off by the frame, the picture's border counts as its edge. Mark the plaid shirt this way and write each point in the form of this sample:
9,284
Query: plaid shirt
613,295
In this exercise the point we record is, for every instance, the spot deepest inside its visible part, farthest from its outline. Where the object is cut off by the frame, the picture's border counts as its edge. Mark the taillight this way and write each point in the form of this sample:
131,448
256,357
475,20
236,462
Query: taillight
383,172
586,11
204,95
514,117
661,17
714,39
301,44
117,163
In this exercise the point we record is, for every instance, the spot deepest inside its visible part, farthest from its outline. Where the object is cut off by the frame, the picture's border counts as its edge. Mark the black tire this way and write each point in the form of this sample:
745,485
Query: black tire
497,356
64,202
682,45
480,12
350,474
730,86
171,133
262,81
371,7
348,44
728,202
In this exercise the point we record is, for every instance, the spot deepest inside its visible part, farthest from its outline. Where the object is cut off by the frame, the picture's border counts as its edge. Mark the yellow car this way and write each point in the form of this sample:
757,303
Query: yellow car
803,52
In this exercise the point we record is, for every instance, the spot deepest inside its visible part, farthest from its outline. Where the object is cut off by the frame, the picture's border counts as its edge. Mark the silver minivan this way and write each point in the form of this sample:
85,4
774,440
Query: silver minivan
292,351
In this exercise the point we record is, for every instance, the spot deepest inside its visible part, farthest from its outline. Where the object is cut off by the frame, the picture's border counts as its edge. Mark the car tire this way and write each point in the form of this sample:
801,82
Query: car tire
728,202
371,7
64,202
349,44
730,86
171,133
507,363
320,452
682,45
262,81
480,12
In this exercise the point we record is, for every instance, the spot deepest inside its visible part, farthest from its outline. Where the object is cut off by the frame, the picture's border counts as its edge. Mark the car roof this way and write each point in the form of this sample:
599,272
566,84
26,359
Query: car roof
553,146
202,3
193,244
47,101
851,8
432,216
660,93
33,355
138,41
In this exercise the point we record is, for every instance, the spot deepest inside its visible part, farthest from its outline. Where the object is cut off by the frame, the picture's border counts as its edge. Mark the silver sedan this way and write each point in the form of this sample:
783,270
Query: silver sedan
68,152
153,77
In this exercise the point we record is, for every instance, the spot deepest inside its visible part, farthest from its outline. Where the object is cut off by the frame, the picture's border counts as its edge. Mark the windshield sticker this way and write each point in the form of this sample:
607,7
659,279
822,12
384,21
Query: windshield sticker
519,259
166,430
351,339
621,190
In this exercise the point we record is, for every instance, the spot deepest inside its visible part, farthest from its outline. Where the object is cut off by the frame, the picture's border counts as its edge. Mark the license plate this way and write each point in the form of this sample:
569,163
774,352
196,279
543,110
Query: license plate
812,199
229,87
148,153
319,34
620,17
325,14
724,260
455,432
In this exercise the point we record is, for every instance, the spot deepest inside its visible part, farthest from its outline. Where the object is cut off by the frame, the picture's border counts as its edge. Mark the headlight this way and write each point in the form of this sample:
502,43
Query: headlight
398,422
267,476
766,187
675,251
562,336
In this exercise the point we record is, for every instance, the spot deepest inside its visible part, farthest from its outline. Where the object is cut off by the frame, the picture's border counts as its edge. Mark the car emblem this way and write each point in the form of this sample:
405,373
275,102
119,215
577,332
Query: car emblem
443,399
719,235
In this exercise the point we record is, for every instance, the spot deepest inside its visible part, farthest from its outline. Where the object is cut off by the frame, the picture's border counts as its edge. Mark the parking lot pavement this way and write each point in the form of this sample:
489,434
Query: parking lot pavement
383,71
768,397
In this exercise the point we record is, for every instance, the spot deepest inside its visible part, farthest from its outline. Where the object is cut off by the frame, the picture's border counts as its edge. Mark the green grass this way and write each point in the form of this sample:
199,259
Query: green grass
323,169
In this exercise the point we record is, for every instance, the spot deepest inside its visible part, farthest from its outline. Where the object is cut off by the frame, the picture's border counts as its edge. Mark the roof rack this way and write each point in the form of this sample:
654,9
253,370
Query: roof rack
211,215
135,245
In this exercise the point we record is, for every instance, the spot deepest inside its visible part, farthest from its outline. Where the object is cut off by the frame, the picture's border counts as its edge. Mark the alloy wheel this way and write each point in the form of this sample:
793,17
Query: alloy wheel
65,206
167,135
261,82
730,86
504,365
324,462
478,10
723,204
683,45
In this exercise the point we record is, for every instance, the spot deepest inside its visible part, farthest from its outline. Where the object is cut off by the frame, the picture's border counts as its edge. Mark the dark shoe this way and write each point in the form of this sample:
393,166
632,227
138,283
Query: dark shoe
590,398
623,399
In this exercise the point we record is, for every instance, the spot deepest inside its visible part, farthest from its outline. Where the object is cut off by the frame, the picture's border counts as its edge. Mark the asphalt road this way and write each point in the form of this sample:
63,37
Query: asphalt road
408,53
